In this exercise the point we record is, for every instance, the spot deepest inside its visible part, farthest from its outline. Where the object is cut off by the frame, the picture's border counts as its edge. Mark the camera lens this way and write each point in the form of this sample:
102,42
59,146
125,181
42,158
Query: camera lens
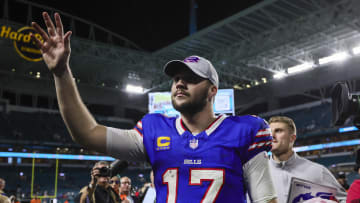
104,172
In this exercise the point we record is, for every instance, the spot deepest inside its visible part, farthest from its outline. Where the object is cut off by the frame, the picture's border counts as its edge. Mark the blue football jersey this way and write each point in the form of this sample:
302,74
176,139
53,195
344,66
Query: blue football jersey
207,167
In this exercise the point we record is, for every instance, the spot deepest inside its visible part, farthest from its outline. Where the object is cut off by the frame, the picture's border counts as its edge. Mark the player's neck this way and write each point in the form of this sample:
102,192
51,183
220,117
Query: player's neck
283,157
196,123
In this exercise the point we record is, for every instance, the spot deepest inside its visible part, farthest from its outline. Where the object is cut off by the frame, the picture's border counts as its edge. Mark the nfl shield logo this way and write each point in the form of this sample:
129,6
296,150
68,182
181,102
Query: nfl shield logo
194,143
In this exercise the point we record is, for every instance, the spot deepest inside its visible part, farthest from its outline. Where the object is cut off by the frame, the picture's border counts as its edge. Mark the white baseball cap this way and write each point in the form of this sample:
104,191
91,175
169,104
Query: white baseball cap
199,65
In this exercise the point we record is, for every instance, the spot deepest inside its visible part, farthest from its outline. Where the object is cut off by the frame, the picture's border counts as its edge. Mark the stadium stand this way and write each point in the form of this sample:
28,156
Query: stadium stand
30,129
31,123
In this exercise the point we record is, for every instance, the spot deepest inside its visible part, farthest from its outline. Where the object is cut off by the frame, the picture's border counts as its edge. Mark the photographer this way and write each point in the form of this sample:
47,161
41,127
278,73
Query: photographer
99,189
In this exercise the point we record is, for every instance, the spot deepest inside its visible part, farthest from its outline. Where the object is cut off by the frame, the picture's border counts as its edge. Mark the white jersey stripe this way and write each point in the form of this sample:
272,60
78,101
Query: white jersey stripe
259,144
179,128
263,132
208,131
139,125
214,126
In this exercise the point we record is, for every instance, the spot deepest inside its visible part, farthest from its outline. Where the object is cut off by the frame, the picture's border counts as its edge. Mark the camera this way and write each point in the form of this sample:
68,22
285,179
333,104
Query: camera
344,105
104,172
115,167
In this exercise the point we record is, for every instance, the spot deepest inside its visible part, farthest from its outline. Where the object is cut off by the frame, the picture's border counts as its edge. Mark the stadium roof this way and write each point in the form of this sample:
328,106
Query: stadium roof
247,49
250,47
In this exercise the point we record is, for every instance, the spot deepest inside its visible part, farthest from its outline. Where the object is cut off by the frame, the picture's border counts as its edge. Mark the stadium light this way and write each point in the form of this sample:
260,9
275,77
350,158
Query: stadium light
335,57
356,50
300,68
264,80
348,129
279,75
238,87
134,89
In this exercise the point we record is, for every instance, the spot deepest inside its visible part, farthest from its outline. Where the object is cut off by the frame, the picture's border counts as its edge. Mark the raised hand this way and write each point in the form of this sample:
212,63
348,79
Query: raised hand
55,47
95,172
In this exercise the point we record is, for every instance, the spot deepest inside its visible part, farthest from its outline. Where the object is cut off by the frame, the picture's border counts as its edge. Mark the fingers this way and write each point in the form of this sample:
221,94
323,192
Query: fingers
95,172
49,24
39,30
59,25
52,31
38,43
67,39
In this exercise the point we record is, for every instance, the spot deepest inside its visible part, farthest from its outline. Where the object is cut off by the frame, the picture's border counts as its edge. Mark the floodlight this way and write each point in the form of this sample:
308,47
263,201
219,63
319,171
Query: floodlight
279,75
134,89
356,50
300,68
335,57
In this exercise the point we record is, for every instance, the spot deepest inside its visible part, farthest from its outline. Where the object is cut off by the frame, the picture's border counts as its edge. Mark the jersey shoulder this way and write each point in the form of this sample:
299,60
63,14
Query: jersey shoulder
249,120
154,122
156,117
255,135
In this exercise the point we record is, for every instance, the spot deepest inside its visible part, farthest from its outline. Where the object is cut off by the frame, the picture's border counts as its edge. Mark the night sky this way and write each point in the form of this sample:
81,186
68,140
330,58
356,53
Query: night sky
150,24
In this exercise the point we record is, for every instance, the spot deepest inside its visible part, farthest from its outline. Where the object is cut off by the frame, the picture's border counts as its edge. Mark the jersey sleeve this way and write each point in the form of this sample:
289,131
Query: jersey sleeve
126,144
139,129
260,138
258,179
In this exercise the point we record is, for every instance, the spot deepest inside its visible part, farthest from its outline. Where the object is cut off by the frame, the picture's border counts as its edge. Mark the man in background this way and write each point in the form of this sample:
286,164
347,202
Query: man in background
150,193
99,189
2,187
3,196
285,163
125,190
341,178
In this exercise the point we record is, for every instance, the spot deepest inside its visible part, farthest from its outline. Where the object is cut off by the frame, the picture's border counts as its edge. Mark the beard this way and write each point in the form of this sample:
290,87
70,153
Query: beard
277,152
280,150
194,106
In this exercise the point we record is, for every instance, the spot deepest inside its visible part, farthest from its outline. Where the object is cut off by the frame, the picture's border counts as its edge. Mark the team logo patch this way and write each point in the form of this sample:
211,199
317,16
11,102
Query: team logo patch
163,143
194,143
192,59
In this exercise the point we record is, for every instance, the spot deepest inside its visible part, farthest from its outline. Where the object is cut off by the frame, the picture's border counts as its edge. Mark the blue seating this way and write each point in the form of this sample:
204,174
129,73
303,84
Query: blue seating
309,119
41,126
328,161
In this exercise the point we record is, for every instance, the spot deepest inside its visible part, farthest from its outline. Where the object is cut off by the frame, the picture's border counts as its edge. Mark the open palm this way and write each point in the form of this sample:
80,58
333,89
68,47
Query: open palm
55,47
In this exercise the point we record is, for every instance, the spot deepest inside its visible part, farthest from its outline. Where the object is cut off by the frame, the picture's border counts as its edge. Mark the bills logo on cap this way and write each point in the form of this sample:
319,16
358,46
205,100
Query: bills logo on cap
193,143
192,59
